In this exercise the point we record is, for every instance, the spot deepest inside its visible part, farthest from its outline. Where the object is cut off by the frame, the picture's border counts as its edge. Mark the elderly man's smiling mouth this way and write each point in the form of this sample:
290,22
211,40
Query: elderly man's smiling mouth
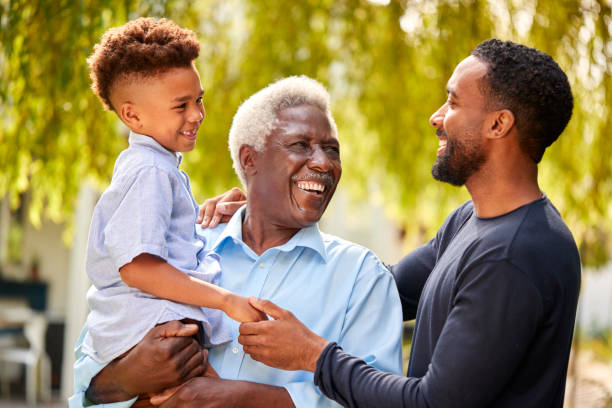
314,183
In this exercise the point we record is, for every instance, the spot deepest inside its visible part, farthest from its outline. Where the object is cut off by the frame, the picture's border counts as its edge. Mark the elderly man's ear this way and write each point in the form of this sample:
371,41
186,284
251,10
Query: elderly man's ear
248,159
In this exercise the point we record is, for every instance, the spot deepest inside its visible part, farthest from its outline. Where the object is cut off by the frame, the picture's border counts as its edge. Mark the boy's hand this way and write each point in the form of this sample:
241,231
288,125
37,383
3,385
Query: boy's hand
239,309
220,208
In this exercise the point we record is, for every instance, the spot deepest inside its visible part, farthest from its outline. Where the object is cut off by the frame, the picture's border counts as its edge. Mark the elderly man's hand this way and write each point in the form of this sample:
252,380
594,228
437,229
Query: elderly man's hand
168,355
220,208
283,342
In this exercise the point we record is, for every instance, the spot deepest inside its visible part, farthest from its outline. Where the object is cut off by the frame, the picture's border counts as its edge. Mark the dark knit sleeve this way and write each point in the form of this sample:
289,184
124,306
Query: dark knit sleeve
495,314
410,275
351,382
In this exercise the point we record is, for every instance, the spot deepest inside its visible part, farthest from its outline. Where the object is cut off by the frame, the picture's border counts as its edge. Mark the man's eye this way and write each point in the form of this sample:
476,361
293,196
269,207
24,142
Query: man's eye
332,149
199,100
300,144
181,106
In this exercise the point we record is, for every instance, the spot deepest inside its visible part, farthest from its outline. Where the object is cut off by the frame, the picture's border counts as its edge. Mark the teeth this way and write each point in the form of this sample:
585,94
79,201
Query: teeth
305,185
442,143
188,133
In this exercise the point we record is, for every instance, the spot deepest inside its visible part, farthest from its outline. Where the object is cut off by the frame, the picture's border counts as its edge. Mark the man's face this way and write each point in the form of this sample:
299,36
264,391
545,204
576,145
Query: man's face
459,124
170,108
297,173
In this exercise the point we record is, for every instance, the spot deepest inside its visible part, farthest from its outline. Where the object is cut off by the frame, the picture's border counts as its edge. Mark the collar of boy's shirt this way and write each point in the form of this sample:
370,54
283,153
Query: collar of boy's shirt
137,139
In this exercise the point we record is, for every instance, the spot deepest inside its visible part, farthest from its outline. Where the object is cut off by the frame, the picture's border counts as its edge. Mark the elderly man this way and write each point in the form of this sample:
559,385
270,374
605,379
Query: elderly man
497,287
285,150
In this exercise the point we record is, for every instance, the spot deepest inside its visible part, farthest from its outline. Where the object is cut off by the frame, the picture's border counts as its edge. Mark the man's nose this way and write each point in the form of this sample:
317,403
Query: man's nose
319,160
437,117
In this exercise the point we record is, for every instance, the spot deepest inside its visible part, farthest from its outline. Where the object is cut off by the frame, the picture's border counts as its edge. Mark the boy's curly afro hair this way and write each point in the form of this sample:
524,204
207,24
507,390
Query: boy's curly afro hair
144,47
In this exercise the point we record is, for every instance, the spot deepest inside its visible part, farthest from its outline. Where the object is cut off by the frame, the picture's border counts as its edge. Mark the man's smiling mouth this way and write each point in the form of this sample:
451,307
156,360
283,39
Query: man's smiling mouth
442,142
314,183
310,186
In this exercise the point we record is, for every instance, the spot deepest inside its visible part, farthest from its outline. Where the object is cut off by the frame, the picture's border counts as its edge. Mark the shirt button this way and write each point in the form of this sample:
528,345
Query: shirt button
235,350
261,265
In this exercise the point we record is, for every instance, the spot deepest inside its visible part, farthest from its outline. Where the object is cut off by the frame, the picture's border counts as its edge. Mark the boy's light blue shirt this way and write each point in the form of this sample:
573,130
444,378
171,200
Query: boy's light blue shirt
340,290
147,208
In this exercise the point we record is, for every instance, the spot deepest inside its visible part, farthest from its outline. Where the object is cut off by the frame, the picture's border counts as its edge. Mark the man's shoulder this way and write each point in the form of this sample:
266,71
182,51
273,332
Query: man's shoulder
342,250
335,243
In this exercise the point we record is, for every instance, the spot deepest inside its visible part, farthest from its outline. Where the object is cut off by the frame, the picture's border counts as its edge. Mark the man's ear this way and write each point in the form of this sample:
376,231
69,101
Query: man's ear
248,159
502,122
129,115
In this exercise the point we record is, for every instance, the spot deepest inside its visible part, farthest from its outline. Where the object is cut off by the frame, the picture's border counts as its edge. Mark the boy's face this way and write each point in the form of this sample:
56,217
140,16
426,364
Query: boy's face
167,107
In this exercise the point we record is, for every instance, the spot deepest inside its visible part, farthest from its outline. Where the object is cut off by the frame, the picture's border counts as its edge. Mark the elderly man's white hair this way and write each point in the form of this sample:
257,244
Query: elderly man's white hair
257,116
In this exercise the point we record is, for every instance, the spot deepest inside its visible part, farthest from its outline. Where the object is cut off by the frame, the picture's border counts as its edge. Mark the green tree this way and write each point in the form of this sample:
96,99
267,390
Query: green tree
385,65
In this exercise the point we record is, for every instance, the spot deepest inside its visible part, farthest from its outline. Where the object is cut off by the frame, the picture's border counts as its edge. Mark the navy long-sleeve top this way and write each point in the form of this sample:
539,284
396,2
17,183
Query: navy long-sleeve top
495,301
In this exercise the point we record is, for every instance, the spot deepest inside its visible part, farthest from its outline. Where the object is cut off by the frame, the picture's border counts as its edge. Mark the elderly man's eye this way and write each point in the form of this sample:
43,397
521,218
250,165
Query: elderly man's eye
300,145
332,149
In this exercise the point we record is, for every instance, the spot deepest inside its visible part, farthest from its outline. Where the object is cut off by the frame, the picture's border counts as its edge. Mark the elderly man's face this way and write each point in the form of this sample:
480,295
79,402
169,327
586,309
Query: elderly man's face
299,169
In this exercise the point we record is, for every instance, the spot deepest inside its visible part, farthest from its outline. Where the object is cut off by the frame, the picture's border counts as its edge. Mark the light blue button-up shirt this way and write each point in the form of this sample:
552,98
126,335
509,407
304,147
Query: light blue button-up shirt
340,290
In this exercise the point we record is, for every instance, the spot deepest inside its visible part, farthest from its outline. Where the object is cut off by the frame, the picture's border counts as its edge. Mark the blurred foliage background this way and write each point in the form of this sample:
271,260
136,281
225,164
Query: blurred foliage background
386,64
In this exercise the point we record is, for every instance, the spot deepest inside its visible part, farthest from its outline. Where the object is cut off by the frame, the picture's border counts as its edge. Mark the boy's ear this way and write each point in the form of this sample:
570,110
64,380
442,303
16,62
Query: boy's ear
248,159
129,115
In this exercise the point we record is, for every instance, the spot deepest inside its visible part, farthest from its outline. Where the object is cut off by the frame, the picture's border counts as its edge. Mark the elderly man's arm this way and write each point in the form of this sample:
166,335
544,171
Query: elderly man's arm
207,392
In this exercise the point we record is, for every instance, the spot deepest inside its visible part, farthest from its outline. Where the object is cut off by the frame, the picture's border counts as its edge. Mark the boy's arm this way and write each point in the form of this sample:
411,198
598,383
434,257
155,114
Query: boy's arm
157,277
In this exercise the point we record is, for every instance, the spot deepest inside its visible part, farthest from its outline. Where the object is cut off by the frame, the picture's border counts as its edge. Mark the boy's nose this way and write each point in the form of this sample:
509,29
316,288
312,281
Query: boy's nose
197,114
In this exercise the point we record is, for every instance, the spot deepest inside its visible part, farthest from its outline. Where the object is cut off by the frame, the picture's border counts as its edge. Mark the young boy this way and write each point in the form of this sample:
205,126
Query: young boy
143,254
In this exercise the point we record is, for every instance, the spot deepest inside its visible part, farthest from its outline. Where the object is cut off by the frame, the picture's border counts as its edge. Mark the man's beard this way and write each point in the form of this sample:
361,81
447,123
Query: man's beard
458,162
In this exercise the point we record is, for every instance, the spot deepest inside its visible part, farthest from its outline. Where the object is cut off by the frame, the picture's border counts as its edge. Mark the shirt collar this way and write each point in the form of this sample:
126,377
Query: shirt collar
308,237
136,139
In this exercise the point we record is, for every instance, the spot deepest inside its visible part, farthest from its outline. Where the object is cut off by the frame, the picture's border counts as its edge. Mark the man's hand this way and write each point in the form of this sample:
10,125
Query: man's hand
167,356
220,208
283,342
158,399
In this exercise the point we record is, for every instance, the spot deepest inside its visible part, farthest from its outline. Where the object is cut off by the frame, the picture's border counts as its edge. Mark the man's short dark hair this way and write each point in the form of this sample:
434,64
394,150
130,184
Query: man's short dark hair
531,85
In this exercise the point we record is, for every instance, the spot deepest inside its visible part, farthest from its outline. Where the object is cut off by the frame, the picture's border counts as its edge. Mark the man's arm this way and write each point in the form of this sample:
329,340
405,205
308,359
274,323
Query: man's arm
493,320
165,357
206,392
411,273
494,317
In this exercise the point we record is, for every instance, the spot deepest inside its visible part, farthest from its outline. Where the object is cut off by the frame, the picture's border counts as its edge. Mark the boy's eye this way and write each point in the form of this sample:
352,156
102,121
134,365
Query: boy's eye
181,106
199,100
